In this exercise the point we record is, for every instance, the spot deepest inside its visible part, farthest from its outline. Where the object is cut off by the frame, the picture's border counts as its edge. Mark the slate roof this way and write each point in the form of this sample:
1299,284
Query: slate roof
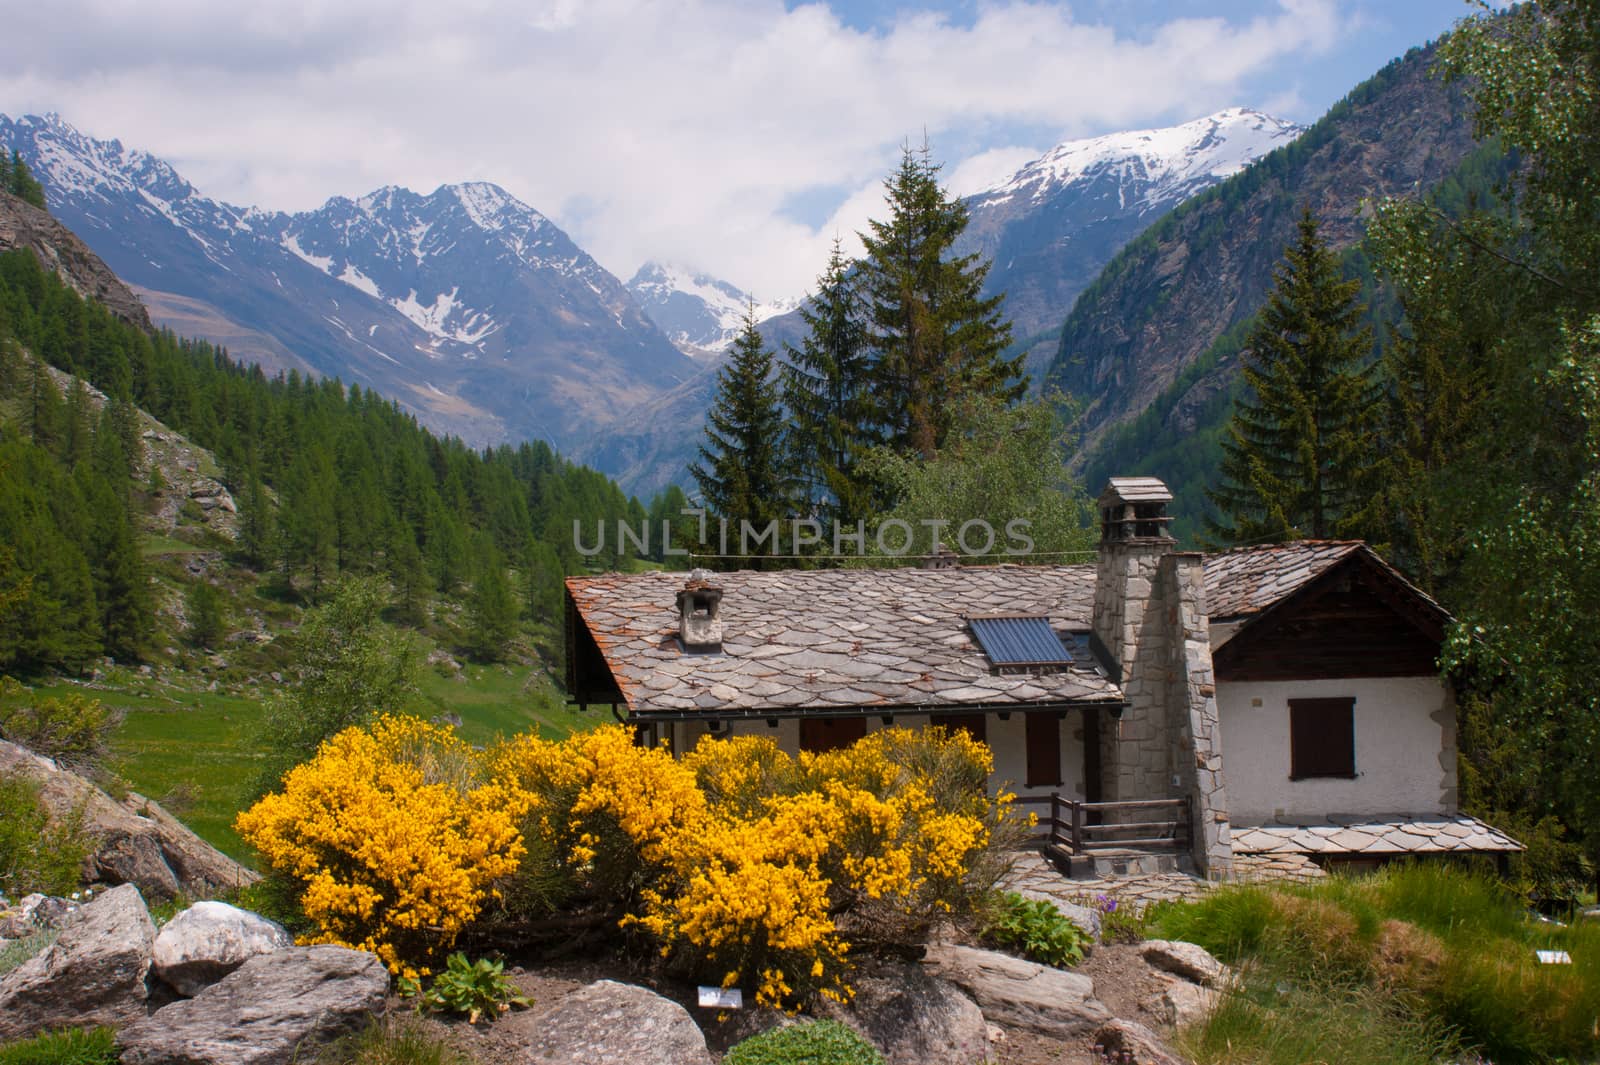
839,638
861,638
1372,836
1247,580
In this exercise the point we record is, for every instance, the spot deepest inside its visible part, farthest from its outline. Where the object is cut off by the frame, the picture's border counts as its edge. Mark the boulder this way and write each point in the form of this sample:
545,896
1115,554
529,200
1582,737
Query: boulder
608,1021
208,941
916,1018
1082,916
92,974
272,1010
1192,962
1018,993
1181,1003
135,841
1144,1045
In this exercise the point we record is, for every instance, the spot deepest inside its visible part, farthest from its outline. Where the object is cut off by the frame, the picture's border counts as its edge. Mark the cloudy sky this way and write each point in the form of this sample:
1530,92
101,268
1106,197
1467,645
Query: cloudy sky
734,136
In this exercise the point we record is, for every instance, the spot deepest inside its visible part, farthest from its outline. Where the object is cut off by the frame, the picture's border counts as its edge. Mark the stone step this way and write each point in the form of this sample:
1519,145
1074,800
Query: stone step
1106,864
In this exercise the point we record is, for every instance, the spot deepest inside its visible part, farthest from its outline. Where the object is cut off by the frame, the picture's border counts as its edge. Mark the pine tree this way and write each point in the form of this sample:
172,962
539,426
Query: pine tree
741,474
1299,452
492,609
827,390
20,182
935,337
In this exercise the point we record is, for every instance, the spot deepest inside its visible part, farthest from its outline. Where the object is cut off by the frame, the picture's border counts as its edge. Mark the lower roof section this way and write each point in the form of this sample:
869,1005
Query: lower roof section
1376,837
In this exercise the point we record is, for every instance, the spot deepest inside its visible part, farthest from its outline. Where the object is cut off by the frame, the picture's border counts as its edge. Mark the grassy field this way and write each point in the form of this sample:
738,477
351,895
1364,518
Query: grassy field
193,750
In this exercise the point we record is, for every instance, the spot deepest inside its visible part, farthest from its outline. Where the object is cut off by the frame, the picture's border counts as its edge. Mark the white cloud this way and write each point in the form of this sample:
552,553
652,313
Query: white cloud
647,129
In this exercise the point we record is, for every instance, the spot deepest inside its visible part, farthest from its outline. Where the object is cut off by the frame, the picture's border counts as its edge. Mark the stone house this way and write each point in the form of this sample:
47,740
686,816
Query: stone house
1270,700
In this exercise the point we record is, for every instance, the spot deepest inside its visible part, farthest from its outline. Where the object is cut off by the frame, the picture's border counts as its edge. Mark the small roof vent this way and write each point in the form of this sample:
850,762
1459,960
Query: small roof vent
1020,643
699,609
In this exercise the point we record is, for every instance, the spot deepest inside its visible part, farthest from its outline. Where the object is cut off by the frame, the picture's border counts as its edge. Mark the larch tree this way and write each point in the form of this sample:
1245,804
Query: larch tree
1298,454
934,336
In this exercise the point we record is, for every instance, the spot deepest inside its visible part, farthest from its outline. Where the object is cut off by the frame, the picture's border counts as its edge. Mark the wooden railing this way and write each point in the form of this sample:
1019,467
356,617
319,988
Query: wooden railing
1080,827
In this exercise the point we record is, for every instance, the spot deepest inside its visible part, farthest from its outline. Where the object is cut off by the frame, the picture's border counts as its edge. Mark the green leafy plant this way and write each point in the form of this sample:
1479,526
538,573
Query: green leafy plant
475,989
816,1043
1035,929
71,1046
72,729
37,852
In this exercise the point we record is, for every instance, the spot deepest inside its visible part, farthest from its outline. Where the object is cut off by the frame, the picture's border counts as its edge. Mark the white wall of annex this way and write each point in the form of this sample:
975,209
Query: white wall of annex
1404,750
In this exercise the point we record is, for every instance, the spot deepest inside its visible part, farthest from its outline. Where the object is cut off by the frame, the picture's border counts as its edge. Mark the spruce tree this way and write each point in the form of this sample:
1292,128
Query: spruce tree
1299,452
20,182
935,337
827,390
741,473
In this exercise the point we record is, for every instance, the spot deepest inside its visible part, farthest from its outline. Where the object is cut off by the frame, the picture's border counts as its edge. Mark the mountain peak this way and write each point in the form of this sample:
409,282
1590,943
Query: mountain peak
698,312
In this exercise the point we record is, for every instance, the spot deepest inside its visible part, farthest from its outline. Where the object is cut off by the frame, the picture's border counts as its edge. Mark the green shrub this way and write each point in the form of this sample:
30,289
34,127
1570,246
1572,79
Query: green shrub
1231,922
13,952
72,1046
392,1041
36,854
72,728
1035,929
473,989
816,1043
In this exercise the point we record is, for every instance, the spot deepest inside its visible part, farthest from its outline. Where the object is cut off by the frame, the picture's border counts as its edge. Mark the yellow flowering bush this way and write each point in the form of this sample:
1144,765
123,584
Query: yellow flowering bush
394,838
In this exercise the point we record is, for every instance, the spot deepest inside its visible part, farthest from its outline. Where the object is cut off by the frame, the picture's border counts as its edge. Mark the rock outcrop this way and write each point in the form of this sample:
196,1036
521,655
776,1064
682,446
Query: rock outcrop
1144,1045
135,841
1187,960
1020,994
93,974
608,1021
915,1018
274,1009
208,941
23,225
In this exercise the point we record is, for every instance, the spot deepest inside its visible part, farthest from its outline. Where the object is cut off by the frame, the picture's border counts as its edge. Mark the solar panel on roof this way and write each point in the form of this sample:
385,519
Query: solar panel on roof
1019,641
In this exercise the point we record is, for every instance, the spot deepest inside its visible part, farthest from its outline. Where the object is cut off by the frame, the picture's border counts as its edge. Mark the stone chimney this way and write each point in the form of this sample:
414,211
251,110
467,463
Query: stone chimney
1150,623
699,607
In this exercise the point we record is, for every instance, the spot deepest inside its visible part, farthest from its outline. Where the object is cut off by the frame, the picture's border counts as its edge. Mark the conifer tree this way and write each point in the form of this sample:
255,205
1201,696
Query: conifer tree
935,337
1299,452
827,390
492,609
741,472
20,182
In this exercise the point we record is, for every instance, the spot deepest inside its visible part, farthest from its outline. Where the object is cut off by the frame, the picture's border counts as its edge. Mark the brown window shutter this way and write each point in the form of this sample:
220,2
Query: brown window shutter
1044,749
818,734
1322,738
973,723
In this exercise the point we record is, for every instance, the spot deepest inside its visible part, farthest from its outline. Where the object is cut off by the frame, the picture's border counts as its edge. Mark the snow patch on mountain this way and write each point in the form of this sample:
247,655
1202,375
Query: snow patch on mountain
1162,166
698,312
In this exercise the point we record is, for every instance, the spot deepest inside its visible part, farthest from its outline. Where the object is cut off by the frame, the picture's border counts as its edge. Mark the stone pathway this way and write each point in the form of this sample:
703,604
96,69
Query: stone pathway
1034,873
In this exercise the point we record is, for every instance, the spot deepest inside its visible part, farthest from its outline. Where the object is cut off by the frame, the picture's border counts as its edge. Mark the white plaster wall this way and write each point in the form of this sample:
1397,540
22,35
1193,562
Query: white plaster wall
1403,727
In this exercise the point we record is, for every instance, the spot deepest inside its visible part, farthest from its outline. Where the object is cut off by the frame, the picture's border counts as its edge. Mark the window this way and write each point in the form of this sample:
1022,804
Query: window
818,734
973,724
1044,749
1322,738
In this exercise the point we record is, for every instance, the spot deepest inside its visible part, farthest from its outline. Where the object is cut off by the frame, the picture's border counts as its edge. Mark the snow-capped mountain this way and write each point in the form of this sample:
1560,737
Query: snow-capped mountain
699,313
465,305
1051,226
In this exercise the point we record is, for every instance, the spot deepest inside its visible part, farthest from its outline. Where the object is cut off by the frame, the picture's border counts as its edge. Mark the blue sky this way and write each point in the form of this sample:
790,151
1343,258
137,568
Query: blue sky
731,136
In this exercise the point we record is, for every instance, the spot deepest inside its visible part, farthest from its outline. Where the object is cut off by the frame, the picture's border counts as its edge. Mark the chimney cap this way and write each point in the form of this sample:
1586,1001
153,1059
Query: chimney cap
1135,490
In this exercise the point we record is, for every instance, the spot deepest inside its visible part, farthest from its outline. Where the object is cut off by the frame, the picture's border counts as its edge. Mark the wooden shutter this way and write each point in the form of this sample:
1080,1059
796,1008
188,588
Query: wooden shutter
819,734
1044,749
1322,738
973,723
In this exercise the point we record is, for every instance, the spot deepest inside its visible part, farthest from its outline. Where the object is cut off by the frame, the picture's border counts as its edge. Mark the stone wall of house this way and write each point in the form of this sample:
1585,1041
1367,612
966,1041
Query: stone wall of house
1135,754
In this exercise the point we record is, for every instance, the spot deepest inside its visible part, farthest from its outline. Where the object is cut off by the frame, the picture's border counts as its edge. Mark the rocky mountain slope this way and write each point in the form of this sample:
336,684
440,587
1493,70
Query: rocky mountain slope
1161,303
467,306
23,225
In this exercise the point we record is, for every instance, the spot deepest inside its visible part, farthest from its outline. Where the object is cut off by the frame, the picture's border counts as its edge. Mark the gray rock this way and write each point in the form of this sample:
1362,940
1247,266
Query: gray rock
93,973
209,940
916,1018
1187,960
1145,1046
135,840
608,1021
1591,914
273,1009
1082,916
1182,1004
1017,993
